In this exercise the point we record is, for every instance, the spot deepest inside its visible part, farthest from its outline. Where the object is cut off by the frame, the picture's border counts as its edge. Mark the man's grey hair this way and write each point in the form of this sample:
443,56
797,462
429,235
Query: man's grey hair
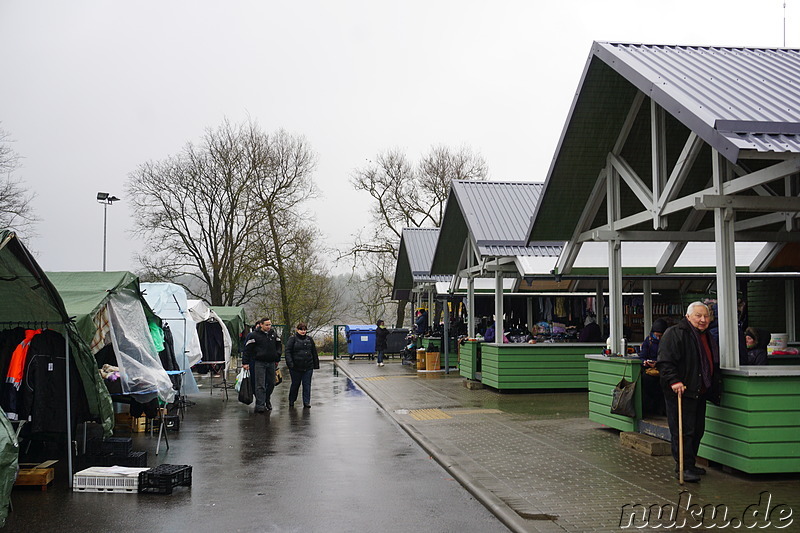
696,304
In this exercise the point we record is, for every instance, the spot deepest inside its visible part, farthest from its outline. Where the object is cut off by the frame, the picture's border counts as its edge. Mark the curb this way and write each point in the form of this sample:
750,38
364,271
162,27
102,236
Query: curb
495,505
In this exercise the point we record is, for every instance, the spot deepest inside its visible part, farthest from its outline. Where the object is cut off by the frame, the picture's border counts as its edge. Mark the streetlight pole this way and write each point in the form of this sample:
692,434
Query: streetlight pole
107,200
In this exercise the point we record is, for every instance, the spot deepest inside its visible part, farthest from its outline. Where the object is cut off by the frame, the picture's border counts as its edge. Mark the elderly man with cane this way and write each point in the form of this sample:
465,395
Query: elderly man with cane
688,361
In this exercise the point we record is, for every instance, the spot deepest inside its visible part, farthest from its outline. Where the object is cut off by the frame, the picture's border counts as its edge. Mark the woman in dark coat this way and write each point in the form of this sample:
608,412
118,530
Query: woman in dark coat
381,334
302,359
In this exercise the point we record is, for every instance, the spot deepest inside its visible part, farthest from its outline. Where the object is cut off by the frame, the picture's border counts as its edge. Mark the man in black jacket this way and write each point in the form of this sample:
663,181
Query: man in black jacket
262,351
688,361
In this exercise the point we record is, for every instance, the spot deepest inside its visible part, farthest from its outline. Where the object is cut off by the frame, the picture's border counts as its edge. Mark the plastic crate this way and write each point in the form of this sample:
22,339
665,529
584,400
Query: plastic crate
107,479
119,446
132,459
163,478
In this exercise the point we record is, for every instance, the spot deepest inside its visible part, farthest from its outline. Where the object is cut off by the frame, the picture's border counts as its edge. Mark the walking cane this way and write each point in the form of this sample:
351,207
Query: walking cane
680,437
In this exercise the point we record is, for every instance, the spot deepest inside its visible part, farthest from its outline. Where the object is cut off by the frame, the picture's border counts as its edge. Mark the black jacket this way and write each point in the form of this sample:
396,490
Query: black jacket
262,346
679,361
301,353
381,334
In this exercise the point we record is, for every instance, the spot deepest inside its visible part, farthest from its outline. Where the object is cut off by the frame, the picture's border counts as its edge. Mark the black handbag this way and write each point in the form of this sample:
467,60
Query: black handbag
246,390
623,397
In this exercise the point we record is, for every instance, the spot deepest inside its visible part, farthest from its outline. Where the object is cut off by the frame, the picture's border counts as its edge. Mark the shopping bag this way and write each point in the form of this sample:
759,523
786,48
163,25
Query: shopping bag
278,376
622,401
246,389
239,377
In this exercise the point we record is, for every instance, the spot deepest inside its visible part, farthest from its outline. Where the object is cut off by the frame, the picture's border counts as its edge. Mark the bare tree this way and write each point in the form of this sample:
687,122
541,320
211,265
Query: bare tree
406,195
201,216
309,294
16,207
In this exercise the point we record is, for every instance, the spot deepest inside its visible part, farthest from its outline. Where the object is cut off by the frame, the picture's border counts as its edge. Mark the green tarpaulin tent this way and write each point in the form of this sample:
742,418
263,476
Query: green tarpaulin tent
115,299
235,322
29,299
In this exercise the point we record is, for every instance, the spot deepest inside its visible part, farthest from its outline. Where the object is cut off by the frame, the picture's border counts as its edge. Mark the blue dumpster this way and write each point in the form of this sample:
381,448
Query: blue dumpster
360,340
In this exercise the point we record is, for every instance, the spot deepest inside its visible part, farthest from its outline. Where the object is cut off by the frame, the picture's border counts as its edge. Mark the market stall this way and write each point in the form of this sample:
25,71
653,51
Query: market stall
31,304
681,148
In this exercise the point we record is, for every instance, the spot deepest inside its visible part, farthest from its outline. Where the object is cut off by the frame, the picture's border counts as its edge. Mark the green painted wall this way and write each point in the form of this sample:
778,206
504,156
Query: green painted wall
756,429
603,377
468,359
531,366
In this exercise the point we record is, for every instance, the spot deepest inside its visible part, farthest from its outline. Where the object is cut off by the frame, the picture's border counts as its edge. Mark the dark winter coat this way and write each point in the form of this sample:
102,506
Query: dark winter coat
679,361
381,336
758,354
649,349
262,346
301,353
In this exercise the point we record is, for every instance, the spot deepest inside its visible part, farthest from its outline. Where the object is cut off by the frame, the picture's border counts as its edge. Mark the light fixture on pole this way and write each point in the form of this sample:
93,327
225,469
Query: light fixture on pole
107,200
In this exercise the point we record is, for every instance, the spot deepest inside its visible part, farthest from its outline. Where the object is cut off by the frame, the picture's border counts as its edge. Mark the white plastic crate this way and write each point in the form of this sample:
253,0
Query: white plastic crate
107,479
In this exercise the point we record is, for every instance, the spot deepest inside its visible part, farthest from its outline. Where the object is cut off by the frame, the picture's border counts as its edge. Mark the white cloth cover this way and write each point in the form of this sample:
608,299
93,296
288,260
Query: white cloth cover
169,302
139,366
200,312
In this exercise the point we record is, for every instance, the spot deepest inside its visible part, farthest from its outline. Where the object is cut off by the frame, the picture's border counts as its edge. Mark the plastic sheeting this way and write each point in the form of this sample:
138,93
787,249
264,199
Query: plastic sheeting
200,312
141,373
168,301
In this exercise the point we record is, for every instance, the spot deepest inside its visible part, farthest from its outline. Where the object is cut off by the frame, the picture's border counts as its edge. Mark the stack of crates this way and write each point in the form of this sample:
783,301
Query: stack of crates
113,451
107,479
163,478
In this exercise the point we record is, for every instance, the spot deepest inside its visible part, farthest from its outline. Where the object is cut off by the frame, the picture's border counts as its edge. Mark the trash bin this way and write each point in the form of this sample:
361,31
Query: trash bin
360,340
396,340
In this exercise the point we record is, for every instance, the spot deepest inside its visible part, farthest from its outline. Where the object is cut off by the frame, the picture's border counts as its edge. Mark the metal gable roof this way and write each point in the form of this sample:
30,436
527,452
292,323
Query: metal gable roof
420,245
414,260
497,213
494,215
733,98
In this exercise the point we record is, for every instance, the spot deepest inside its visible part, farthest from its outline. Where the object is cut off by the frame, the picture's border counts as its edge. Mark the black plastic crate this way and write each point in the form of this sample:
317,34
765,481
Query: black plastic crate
95,459
94,446
132,459
119,446
163,478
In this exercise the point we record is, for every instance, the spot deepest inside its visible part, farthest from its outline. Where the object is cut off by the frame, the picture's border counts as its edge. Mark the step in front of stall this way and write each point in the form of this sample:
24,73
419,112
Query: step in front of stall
655,427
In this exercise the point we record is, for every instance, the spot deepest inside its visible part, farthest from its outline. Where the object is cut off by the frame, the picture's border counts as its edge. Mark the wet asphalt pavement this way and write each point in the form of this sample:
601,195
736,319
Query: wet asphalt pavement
343,465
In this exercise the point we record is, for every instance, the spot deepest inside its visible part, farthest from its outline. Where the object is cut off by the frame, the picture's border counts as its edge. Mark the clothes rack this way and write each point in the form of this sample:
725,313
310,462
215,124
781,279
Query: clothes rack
47,325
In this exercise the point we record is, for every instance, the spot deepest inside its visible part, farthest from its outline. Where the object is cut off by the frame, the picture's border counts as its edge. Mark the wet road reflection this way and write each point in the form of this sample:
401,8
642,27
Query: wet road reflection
342,465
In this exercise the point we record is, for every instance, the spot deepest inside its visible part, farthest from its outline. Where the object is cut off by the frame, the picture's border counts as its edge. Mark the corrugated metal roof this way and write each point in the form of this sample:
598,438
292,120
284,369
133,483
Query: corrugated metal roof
746,97
497,213
521,251
420,245
414,260
734,99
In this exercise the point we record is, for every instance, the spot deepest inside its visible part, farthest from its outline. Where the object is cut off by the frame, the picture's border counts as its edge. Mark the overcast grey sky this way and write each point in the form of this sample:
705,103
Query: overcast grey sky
91,89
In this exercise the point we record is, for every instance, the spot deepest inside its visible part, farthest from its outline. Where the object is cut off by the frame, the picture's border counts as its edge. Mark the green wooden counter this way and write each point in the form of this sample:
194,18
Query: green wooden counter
756,429
468,355
536,366
604,374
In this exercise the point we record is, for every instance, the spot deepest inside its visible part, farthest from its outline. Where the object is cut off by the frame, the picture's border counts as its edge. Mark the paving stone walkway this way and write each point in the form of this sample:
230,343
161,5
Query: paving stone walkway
540,464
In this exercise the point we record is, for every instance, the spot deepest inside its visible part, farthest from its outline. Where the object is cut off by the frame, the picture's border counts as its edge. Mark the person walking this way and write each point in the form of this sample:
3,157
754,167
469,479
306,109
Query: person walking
262,351
381,334
688,363
302,360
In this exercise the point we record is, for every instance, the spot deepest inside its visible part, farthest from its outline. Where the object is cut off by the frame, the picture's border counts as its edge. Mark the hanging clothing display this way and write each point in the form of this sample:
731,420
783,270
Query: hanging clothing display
35,386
